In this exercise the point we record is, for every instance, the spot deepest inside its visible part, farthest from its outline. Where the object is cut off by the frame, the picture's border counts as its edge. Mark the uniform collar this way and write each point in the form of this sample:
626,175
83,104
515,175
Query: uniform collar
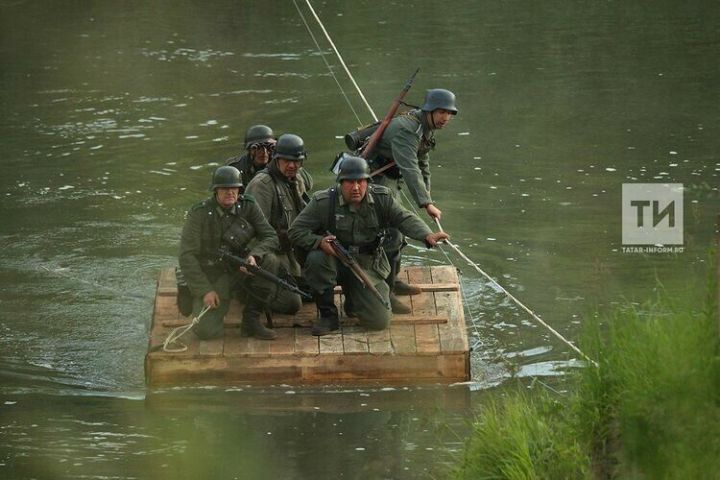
224,211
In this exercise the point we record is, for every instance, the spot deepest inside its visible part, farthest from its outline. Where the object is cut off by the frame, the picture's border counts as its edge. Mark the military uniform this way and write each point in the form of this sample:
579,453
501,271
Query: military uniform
207,228
281,200
358,229
247,168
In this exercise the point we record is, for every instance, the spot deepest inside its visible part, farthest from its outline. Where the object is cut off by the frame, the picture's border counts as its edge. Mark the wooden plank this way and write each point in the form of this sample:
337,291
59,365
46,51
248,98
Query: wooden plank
438,287
402,339
284,344
236,345
427,337
331,344
211,348
379,342
281,321
355,340
306,344
453,336
167,285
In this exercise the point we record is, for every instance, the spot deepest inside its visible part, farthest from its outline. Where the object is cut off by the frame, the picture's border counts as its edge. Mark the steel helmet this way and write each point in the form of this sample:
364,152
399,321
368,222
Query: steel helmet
290,147
227,177
353,168
258,134
439,98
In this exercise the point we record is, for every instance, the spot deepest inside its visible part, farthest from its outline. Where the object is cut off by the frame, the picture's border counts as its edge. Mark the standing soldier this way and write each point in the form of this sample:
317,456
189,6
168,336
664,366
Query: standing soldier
356,214
281,192
227,220
407,141
259,145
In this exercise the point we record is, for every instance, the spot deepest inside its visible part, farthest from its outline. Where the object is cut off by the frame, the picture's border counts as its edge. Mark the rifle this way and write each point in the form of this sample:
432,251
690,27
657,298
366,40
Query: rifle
377,135
255,270
349,261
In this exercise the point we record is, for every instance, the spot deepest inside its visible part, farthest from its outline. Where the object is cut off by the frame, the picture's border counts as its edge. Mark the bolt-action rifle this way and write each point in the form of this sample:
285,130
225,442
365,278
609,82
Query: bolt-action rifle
259,272
377,135
350,262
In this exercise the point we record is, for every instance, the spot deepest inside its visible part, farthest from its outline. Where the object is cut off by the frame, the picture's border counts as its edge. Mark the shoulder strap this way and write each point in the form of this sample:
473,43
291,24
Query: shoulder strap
331,210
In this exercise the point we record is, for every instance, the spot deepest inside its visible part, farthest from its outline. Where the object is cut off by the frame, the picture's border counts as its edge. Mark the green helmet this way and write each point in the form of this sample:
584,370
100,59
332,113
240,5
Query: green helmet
226,177
439,98
353,168
258,134
290,147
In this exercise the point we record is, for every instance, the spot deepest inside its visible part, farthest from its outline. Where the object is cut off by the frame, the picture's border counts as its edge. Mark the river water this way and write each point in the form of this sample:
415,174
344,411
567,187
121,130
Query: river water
114,115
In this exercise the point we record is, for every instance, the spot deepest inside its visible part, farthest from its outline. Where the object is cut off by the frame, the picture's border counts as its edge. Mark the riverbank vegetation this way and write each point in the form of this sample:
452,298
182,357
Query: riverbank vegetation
651,410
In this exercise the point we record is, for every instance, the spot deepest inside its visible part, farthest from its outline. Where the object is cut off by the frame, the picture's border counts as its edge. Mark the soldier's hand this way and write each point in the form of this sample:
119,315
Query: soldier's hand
434,238
211,299
251,261
433,211
326,247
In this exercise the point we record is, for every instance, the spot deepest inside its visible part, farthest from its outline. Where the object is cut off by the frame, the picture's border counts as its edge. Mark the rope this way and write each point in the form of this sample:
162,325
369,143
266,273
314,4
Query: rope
322,55
342,62
450,244
512,297
174,335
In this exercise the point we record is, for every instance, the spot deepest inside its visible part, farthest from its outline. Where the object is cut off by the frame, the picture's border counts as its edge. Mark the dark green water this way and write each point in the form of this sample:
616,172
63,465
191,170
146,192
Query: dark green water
114,115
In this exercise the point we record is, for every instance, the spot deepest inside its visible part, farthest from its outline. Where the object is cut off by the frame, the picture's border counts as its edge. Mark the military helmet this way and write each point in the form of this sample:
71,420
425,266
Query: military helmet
258,134
439,98
353,168
227,177
290,147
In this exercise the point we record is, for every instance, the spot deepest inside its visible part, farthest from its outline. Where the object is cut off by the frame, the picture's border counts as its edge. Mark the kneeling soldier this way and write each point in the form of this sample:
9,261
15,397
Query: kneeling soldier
355,214
228,221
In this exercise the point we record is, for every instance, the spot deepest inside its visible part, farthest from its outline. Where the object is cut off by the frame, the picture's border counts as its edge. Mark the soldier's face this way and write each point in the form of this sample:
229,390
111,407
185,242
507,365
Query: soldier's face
353,191
289,168
441,117
227,196
260,153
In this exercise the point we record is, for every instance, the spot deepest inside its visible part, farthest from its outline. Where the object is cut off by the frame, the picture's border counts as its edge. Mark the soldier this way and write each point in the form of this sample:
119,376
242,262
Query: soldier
281,192
227,219
259,145
408,140
356,214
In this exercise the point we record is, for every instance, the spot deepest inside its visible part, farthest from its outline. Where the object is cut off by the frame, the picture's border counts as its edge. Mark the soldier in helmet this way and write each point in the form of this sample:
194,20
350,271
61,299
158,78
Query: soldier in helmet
259,146
281,191
227,220
408,140
355,213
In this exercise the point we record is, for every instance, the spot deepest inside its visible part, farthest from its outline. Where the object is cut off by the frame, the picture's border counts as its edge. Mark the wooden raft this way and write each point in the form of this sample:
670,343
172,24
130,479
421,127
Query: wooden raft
428,345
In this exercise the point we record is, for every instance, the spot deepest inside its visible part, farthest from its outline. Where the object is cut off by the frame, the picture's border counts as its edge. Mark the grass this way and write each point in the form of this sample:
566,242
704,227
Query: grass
650,411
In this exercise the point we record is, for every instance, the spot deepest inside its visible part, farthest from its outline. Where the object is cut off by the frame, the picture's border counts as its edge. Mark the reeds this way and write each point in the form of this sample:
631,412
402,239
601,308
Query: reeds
651,410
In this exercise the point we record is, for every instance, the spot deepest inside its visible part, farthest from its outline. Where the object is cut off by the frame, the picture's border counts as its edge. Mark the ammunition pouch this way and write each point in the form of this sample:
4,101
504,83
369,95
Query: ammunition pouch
238,235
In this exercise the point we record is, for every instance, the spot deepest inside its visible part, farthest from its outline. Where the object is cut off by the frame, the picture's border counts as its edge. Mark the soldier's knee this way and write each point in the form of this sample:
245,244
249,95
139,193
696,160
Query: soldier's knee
377,319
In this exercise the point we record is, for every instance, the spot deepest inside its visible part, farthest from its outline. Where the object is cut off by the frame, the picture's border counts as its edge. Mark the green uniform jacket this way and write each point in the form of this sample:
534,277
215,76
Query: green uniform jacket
247,168
205,225
281,200
354,226
408,140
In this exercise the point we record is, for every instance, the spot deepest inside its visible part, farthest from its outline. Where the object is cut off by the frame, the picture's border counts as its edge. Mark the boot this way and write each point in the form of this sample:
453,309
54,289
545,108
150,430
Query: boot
397,286
251,324
329,320
402,288
397,306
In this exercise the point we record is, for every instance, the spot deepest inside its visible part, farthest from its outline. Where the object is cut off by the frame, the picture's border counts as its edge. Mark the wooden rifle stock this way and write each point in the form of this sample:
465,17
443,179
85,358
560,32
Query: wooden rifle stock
377,135
349,261
256,270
